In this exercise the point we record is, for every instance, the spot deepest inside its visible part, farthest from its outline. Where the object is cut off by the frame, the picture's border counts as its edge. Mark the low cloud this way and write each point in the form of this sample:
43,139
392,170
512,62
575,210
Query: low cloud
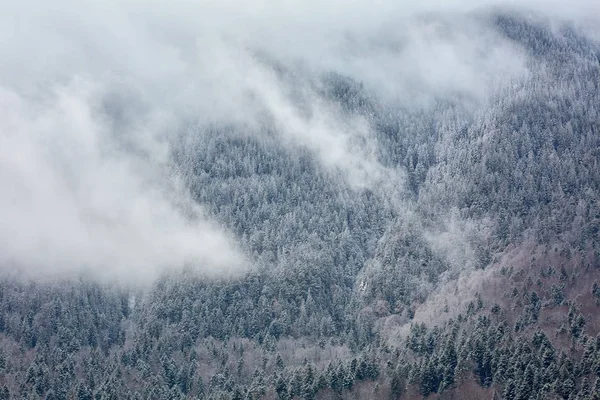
75,199
93,93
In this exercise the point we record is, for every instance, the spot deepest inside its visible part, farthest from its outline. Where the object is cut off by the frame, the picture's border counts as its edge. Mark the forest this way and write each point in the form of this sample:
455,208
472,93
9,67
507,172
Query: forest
450,250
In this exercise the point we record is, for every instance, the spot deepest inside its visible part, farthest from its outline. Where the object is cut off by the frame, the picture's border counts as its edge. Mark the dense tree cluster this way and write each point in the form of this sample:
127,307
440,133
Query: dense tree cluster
333,266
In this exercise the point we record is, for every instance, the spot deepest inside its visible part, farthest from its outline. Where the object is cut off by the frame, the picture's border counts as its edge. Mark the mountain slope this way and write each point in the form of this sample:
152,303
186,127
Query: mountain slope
448,250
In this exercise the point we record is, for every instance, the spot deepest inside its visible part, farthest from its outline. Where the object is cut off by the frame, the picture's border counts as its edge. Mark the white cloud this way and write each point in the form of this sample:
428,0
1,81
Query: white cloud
91,92
75,200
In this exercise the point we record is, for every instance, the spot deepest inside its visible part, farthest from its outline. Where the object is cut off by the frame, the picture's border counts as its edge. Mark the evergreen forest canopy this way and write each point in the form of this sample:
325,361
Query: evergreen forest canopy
413,211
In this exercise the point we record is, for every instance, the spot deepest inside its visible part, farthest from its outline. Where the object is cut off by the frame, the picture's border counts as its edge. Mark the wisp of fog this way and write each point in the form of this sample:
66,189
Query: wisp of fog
93,94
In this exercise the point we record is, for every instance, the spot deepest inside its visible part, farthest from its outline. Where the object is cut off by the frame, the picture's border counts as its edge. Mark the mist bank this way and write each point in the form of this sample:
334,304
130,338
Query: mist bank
96,96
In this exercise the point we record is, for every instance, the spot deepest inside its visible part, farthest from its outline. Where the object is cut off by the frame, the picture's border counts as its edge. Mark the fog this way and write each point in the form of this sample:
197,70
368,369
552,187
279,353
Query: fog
93,93
77,200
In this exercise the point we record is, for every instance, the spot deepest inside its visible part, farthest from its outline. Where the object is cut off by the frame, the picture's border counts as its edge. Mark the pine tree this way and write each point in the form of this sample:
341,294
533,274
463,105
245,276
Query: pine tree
281,388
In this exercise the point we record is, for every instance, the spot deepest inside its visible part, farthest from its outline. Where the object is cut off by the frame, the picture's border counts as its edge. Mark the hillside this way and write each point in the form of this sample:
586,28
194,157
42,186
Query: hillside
443,243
